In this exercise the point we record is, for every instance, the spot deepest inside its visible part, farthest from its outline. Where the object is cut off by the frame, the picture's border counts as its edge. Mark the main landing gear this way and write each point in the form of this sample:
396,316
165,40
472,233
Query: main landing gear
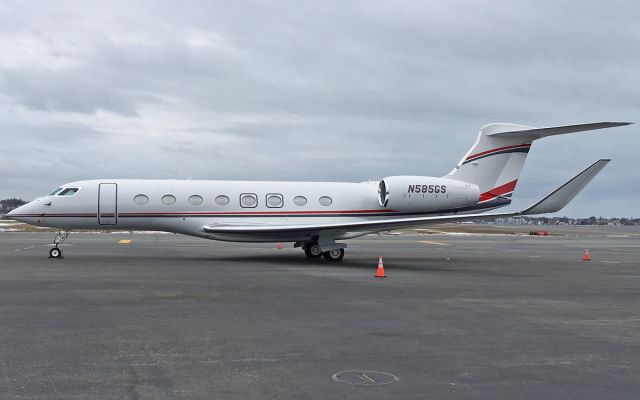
61,236
334,255
313,250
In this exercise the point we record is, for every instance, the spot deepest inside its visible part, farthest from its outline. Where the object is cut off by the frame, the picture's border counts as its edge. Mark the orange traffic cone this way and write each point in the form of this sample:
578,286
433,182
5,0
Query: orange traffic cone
380,272
279,246
586,256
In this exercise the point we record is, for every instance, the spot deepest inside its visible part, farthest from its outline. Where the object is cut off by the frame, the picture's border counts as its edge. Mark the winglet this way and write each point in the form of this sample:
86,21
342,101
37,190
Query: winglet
560,197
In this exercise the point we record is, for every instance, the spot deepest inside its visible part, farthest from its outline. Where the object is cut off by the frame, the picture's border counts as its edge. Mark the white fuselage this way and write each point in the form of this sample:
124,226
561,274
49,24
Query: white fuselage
112,204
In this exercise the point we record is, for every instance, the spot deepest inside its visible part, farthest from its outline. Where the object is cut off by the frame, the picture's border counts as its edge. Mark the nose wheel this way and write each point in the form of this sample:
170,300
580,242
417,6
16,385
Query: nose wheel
55,253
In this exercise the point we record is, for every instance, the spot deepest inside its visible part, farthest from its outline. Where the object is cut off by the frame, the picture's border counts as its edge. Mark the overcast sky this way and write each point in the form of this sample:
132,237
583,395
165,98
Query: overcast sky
316,90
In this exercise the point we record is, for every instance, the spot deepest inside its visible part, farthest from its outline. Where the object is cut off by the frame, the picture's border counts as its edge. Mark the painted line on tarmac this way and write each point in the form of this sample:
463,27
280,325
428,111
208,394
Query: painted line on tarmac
432,242
365,378
610,262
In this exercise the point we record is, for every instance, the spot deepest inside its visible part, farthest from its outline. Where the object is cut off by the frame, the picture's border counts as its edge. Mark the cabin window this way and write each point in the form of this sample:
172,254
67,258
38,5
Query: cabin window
325,200
274,200
168,200
68,192
140,199
299,200
222,200
248,200
195,200
55,192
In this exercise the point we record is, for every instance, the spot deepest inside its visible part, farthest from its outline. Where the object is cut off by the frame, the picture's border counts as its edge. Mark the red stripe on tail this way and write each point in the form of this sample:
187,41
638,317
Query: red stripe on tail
524,146
498,191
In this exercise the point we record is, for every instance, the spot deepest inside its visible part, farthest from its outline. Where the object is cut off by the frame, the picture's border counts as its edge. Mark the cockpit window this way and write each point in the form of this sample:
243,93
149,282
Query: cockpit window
68,192
55,192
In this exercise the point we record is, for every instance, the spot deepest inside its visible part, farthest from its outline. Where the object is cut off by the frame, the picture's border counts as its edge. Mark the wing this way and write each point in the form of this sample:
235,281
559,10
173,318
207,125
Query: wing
553,202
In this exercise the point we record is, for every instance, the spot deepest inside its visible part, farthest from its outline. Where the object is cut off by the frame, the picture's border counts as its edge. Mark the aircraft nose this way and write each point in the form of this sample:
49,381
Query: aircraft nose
14,211
20,213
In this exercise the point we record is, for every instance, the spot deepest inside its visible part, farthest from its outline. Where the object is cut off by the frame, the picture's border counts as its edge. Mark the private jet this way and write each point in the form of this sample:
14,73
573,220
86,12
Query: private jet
316,216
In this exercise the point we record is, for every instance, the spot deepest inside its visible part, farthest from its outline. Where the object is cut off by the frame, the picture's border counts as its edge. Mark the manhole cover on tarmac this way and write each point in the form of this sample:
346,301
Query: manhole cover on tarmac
364,377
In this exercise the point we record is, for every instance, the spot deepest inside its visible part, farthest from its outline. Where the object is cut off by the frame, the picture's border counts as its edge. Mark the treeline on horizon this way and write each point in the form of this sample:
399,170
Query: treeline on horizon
7,205
593,220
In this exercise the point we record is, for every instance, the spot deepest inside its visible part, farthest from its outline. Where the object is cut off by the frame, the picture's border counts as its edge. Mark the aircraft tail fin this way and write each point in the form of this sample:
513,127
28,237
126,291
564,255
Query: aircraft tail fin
496,159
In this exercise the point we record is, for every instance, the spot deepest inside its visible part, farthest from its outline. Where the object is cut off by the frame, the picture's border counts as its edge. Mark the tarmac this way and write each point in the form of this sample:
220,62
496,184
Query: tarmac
458,317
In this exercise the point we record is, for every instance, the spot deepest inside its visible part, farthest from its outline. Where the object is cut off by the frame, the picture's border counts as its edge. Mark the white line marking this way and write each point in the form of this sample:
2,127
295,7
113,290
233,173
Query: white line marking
610,262
364,375
432,242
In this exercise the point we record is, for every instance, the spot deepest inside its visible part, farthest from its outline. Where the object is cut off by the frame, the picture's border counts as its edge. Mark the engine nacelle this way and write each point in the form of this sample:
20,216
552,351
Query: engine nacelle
425,193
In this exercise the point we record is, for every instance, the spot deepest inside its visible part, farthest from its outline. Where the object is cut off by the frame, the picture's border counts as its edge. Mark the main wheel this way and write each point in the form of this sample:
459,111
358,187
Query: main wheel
55,253
312,250
334,255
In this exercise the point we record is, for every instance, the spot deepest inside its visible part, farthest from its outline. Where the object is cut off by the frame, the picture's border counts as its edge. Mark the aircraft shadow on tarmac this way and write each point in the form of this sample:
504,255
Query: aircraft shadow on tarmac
417,264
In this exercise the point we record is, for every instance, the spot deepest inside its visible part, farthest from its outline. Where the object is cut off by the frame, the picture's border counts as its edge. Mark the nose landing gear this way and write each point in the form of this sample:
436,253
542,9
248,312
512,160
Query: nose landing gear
61,236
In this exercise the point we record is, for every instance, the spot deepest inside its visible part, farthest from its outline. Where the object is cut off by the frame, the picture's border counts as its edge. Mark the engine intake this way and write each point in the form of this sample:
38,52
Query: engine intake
425,193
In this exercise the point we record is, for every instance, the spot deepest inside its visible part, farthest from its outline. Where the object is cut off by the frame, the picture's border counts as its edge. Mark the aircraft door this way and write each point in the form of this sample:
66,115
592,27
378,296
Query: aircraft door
107,204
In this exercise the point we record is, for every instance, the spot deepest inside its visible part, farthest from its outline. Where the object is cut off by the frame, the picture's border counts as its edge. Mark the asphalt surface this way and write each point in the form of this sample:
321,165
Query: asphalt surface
459,316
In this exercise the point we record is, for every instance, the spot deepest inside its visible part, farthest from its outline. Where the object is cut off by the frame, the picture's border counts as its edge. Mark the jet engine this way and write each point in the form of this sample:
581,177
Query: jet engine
425,193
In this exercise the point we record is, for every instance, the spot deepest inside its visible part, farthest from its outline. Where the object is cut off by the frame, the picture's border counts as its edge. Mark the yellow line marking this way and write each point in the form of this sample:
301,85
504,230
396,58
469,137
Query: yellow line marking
125,241
432,242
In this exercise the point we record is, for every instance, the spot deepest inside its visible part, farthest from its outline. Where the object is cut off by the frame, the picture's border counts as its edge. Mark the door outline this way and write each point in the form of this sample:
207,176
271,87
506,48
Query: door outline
108,219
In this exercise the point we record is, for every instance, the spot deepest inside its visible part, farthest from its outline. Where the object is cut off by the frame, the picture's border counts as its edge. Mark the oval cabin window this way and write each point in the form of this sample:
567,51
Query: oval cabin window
274,200
248,200
222,200
299,200
195,200
168,200
325,200
141,199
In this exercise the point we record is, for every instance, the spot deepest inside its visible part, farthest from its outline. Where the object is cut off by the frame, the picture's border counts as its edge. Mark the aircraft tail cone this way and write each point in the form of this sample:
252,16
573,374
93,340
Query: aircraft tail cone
586,256
380,272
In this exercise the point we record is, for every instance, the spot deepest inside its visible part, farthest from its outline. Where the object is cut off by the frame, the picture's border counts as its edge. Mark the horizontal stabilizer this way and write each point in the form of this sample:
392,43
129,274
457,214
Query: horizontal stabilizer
538,133
560,197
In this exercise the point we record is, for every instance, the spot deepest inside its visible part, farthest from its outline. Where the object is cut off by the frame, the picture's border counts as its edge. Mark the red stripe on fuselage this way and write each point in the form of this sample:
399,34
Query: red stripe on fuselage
214,213
523,145
499,191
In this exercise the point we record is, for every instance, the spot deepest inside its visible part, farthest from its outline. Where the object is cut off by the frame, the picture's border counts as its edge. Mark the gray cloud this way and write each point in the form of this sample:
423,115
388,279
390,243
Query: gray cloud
313,91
